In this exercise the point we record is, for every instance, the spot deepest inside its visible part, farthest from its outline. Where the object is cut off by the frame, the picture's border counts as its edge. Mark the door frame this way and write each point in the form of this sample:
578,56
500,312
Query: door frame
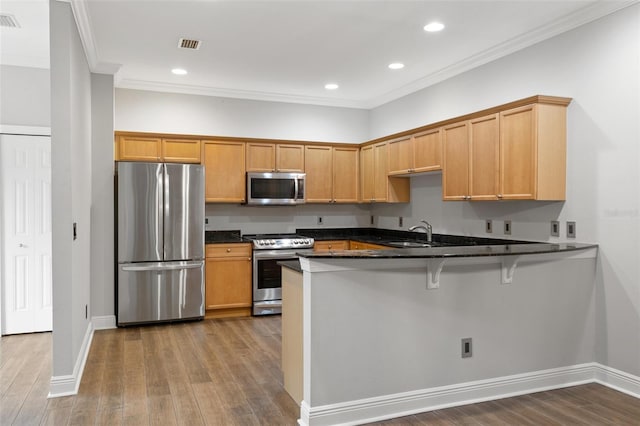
22,131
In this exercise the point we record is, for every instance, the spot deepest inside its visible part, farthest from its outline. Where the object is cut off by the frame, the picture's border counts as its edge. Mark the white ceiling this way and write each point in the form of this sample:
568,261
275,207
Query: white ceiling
288,50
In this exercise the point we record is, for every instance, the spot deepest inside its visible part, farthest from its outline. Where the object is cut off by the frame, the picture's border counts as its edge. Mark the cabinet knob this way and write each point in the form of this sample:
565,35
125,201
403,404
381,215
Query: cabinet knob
330,246
499,195
228,250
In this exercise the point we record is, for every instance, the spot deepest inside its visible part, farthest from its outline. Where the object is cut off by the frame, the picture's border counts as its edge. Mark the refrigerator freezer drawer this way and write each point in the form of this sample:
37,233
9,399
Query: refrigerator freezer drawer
160,291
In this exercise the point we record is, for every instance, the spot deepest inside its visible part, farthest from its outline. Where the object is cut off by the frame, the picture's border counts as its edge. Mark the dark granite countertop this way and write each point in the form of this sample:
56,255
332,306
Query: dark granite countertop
291,264
386,236
454,251
221,237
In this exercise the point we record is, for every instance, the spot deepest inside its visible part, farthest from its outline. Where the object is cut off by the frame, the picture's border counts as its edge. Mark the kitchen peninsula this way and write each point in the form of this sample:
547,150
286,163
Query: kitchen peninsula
380,331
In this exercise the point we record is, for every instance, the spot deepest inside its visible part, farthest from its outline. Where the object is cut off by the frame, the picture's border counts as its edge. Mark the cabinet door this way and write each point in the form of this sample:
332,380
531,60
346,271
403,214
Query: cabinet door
228,283
484,151
331,245
380,172
224,172
318,167
290,158
518,153
400,156
345,175
134,148
261,157
181,151
427,151
367,174
455,167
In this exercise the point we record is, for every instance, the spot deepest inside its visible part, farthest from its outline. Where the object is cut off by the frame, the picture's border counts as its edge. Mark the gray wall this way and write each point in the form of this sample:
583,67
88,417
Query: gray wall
145,111
71,188
25,98
598,66
102,229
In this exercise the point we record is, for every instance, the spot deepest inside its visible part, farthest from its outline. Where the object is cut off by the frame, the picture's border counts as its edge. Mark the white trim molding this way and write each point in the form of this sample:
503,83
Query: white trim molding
408,403
68,385
105,322
7,129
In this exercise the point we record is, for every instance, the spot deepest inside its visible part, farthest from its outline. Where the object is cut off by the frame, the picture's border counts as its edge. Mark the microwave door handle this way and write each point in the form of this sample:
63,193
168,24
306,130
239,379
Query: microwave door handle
295,189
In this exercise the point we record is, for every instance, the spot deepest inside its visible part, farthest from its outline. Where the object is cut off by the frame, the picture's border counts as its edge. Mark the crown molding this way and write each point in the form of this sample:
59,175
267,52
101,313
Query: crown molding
559,26
83,22
236,94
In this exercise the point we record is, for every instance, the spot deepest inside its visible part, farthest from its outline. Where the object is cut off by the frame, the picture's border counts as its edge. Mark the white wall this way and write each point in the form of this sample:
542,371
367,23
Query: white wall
102,192
598,66
71,188
145,111
25,98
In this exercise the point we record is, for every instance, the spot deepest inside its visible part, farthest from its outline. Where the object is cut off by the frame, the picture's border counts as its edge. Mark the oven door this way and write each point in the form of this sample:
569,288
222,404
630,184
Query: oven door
267,279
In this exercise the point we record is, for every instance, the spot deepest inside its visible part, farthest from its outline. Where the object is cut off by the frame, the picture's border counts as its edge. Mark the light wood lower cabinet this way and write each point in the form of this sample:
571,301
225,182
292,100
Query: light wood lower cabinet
357,245
225,177
331,245
228,280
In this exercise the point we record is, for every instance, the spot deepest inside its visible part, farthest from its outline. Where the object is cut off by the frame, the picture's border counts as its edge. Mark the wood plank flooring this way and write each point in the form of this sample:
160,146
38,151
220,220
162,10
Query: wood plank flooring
227,372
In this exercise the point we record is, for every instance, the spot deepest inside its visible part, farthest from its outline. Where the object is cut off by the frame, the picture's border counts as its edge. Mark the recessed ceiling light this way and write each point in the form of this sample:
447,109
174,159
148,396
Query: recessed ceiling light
179,71
434,27
331,86
396,66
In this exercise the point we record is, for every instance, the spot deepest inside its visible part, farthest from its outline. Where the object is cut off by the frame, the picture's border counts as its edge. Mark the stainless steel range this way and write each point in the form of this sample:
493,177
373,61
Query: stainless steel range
268,250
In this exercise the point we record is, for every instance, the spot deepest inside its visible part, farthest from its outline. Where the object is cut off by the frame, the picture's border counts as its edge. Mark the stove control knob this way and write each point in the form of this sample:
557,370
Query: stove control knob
272,242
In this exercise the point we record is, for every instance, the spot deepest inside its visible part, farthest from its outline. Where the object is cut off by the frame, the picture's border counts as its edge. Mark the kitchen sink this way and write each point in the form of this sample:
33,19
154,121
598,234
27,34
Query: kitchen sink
408,244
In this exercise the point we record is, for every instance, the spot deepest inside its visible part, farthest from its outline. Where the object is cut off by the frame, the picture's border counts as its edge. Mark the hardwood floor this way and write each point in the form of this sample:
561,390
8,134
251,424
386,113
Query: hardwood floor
227,372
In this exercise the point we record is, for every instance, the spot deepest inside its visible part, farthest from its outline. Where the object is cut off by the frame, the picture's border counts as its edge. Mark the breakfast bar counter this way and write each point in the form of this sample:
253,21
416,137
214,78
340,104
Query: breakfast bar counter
375,334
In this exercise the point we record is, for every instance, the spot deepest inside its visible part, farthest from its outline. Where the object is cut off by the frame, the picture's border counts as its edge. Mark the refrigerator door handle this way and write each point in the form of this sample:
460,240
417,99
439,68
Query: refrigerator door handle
162,267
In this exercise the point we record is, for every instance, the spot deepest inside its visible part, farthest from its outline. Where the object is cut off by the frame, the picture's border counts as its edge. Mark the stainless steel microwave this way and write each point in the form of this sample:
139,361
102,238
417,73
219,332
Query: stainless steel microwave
272,189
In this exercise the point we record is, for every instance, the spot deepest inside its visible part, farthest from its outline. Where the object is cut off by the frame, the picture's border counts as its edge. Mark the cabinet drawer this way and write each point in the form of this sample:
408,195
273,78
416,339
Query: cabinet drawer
331,245
228,250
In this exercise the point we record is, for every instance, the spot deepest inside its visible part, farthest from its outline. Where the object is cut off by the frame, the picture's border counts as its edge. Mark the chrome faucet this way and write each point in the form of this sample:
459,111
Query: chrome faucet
426,227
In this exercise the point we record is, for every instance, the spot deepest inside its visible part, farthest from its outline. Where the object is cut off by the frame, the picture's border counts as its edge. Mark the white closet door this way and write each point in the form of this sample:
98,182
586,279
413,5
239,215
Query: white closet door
25,191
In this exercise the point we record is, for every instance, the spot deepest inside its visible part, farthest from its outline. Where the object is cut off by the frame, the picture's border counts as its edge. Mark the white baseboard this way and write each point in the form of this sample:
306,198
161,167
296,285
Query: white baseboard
408,403
105,322
68,385
618,380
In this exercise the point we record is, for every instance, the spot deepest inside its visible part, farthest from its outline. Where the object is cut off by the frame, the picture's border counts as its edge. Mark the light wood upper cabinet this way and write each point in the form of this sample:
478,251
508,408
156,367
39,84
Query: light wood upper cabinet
455,168
319,170
152,149
332,174
224,171
418,153
377,185
345,174
135,148
290,158
261,157
533,152
484,157
269,157
427,151
228,280
181,150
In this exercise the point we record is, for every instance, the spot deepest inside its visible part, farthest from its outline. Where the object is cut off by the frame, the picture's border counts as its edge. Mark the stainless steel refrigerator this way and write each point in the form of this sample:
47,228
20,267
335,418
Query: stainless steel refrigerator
160,248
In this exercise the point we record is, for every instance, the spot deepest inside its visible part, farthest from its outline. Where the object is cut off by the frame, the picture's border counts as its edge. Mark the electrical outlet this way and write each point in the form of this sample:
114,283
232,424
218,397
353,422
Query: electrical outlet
371,220
488,226
86,311
571,229
75,231
555,228
400,222
466,347
507,227
320,220
206,220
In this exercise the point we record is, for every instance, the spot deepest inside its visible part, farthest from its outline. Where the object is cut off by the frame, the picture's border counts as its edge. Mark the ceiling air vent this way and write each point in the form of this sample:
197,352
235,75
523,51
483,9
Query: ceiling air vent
185,43
9,21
